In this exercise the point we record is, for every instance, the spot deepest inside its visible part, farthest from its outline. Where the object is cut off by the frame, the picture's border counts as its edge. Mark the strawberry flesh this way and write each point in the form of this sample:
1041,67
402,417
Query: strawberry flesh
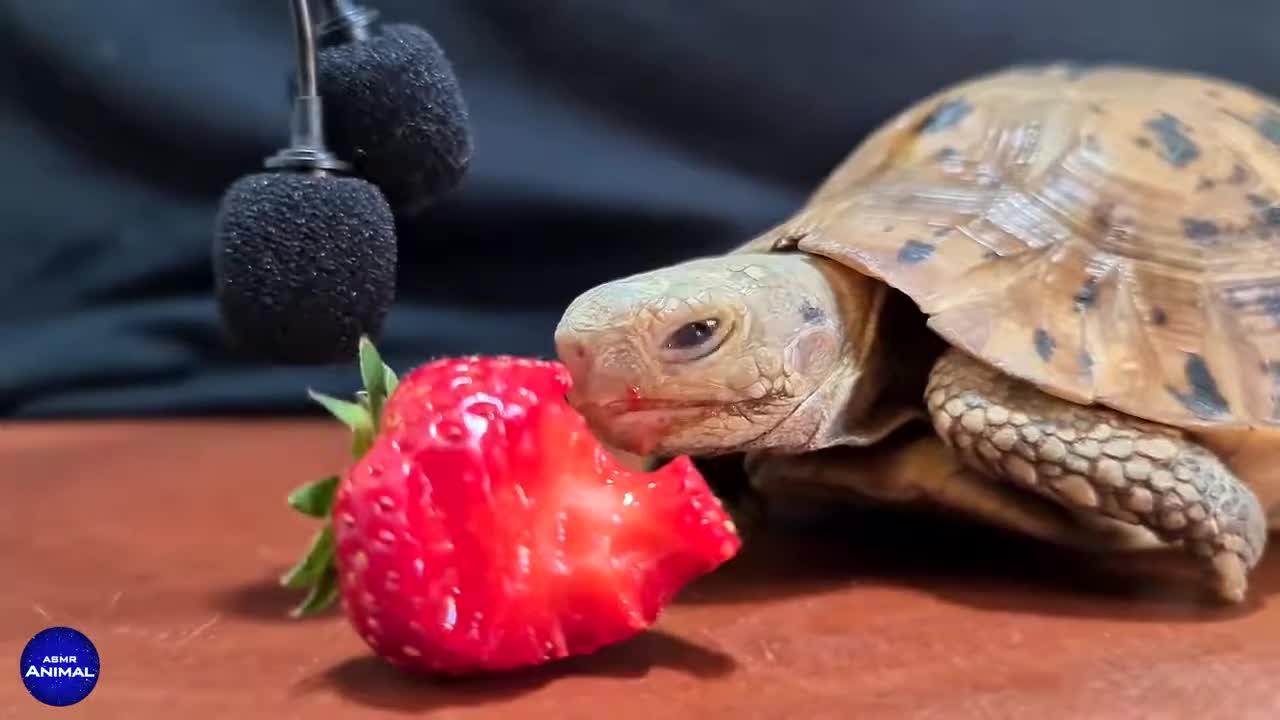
487,529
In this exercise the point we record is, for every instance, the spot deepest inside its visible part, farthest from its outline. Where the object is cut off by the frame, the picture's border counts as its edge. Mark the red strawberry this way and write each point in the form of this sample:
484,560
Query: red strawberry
449,382
485,528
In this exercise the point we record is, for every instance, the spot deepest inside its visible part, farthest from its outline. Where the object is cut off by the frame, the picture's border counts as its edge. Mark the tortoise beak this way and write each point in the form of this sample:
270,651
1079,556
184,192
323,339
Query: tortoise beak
595,384
575,356
600,382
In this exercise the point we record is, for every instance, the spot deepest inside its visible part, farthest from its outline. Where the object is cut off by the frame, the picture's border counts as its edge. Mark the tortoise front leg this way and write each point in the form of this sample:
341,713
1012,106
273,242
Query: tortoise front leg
1097,460
923,471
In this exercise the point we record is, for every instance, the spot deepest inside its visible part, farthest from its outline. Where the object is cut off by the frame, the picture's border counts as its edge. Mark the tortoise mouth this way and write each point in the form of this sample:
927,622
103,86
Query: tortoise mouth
647,425
627,406
645,430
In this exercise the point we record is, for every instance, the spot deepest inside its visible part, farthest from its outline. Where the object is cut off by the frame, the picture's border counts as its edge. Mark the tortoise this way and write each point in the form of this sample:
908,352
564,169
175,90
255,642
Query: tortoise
1045,296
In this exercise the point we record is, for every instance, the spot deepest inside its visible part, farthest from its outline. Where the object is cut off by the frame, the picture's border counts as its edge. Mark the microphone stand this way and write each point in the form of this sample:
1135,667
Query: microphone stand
345,21
307,151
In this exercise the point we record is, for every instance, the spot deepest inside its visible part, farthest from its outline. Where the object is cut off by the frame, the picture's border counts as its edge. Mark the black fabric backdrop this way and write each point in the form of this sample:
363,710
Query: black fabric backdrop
611,136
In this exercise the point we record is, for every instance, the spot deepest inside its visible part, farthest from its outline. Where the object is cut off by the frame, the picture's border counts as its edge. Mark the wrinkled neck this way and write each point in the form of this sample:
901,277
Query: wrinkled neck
907,350
849,389
890,353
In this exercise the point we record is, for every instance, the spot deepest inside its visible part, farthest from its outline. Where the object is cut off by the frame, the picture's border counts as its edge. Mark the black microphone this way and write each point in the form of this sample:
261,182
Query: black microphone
305,255
304,258
393,106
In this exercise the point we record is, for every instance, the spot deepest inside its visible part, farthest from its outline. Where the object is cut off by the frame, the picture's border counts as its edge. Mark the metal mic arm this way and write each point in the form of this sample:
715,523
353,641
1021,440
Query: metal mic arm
307,150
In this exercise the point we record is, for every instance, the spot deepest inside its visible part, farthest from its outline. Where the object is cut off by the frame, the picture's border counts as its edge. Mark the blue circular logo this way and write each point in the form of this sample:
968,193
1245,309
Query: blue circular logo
59,666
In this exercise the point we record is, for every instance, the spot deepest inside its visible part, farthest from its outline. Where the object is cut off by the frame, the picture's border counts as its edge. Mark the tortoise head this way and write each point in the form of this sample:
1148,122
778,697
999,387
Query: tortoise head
717,355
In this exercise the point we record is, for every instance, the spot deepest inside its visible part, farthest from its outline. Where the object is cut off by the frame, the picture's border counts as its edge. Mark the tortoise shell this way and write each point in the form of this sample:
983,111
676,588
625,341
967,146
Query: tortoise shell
1111,234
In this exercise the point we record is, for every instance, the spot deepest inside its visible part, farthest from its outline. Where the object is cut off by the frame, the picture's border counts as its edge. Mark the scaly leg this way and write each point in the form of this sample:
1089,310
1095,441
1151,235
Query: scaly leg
925,471
1097,460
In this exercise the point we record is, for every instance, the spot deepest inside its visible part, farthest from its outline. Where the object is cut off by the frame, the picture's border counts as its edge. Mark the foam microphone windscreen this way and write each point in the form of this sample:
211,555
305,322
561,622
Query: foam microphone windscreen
304,265
394,110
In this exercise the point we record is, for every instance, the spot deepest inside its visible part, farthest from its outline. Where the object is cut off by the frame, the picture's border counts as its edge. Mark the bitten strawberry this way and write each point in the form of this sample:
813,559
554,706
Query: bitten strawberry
482,526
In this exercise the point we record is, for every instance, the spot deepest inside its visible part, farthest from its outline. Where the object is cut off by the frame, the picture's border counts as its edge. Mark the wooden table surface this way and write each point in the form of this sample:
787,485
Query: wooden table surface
163,541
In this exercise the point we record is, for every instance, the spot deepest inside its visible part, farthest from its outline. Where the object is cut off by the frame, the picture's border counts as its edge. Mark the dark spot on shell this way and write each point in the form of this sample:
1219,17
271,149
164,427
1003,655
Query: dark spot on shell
1213,93
1086,361
942,231
1087,295
887,228
945,116
1205,184
1045,344
1238,174
811,314
1271,306
1204,398
1176,147
947,153
914,251
1271,216
1202,231
1091,143
1159,316
1142,142
1097,109
1257,200
1269,126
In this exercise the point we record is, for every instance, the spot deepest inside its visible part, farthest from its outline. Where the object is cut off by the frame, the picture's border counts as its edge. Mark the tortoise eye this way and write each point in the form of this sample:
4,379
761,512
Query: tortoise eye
692,334
693,340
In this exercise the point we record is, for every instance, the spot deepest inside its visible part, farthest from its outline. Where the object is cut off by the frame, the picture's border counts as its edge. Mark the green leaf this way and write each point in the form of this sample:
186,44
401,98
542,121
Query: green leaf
315,498
373,374
371,367
361,442
351,414
317,571
312,567
391,380
321,595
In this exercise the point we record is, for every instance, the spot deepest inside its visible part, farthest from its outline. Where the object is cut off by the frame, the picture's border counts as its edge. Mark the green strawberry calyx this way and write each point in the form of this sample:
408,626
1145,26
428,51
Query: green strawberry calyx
316,572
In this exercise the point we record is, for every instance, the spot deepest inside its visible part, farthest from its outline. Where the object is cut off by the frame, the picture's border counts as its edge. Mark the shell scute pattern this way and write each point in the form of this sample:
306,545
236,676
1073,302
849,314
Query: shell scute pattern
1111,234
